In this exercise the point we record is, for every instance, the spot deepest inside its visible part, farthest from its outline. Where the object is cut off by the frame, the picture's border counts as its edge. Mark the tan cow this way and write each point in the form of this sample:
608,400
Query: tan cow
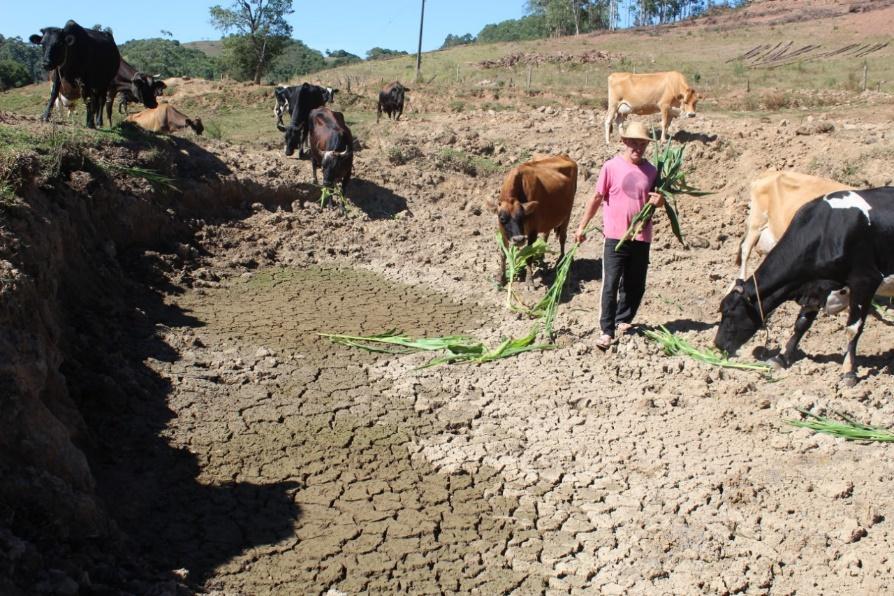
536,197
165,118
775,198
651,93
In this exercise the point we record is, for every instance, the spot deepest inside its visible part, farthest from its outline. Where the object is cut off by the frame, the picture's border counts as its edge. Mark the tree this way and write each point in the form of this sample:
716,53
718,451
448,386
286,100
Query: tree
260,29
342,57
381,53
26,55
296,60
168,58
13,74
457,40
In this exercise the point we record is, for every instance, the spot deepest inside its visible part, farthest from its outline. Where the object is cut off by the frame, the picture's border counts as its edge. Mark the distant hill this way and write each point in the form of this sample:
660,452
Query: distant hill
212,48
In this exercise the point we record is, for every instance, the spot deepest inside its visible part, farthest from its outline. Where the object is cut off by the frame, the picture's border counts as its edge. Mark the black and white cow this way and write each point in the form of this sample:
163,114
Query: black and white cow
86,58
839,243
304,98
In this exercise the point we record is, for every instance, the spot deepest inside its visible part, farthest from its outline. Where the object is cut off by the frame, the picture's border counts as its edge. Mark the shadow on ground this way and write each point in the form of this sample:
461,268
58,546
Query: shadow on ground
150,487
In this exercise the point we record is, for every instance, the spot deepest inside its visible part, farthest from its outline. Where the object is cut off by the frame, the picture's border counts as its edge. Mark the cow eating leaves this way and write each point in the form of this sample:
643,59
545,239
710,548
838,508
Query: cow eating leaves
536,198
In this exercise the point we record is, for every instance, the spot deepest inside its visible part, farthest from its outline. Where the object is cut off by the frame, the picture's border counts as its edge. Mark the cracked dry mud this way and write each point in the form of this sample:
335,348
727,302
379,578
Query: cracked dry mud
299,466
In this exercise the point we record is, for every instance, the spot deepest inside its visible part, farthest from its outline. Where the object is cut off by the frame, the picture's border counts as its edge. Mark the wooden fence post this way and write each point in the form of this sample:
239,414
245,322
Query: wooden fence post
865,72
530,72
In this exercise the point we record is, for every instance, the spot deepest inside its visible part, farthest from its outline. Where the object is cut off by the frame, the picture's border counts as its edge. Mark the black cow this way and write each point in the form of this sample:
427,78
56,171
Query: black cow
331,147
841,240
133,86
86,58
300,101
391,101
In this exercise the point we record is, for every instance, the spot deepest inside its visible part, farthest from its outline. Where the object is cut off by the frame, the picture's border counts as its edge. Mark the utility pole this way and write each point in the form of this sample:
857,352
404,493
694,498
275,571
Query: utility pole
419,51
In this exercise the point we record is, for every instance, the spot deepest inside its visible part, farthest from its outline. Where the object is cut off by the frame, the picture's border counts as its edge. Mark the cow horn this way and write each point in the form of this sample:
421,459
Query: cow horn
326,154
345,152
280,127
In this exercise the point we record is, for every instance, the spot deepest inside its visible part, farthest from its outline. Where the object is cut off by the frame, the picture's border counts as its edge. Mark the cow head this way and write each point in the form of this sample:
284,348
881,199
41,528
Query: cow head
292,137
158,86
512,209
56,43
740,319
688,101
329,94
335,164
142,87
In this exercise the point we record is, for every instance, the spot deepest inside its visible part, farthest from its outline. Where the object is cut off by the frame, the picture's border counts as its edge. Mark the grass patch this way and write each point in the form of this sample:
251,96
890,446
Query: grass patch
465,163
844,428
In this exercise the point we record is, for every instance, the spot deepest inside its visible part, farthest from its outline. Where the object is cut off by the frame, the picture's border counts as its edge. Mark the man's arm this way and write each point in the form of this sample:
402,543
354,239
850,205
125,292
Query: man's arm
589,211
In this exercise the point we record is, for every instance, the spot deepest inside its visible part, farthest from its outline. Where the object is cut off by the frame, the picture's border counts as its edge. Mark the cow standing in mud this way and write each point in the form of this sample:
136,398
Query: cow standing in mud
536,198
331,147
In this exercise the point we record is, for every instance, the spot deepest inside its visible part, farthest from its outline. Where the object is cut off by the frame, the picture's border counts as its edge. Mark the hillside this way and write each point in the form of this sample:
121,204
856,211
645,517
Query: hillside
175,424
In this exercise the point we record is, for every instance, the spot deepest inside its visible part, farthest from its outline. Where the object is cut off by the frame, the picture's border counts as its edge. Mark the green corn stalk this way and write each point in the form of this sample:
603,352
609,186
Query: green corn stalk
671,182
673,346
548,306
847,428
516,260
459,348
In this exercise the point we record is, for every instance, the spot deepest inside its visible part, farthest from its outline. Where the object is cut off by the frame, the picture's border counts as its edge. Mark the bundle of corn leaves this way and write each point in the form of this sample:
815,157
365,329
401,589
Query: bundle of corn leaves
334,195
847,428
516,260
459,348
673,345
671,182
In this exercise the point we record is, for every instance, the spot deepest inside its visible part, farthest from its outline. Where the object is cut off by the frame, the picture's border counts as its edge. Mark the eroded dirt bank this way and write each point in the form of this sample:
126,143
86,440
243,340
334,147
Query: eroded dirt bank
232,445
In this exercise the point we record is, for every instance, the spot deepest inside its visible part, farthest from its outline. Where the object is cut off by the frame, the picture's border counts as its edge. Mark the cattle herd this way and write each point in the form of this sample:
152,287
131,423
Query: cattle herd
827,245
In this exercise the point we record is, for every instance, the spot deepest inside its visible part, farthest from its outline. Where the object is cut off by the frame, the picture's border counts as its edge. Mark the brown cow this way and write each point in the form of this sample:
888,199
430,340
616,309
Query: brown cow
331,147
536,197
775,198
650,93
165,118
130,83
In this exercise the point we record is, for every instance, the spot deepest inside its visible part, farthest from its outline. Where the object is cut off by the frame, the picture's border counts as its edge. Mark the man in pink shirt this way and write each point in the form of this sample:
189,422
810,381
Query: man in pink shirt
624,186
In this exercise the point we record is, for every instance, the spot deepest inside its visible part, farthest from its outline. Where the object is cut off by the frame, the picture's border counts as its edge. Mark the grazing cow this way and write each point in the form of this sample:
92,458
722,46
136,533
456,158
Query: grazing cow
842,239
302,100
651,93
331,147
286,99
165,118
132,85
391,100
86,58
775,197
536,197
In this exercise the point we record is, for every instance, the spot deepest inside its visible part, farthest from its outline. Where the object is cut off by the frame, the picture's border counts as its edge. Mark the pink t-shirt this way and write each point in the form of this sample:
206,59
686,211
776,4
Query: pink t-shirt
625,189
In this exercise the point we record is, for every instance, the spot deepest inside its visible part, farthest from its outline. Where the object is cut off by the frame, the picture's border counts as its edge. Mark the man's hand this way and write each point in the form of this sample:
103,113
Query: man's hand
579,236
657,199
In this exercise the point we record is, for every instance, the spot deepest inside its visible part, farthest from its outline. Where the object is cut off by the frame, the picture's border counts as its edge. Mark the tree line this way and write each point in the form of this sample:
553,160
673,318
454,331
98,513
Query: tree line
555,18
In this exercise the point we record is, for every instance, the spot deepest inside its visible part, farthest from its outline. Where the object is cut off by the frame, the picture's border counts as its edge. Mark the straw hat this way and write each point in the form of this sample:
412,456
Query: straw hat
636,130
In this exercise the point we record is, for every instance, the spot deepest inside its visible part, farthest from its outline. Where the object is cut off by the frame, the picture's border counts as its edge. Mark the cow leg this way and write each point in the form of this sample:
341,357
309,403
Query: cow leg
378,112
860,305
399,112
90,105
609,116
806,317
501,276
562,233
751,237
665,122
54,94
313,166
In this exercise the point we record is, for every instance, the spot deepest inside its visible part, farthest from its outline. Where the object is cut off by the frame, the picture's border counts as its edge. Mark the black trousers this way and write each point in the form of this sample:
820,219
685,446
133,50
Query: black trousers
623,282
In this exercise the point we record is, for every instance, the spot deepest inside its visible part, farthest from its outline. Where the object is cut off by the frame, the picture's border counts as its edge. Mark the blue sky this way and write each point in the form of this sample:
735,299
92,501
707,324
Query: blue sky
355,26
